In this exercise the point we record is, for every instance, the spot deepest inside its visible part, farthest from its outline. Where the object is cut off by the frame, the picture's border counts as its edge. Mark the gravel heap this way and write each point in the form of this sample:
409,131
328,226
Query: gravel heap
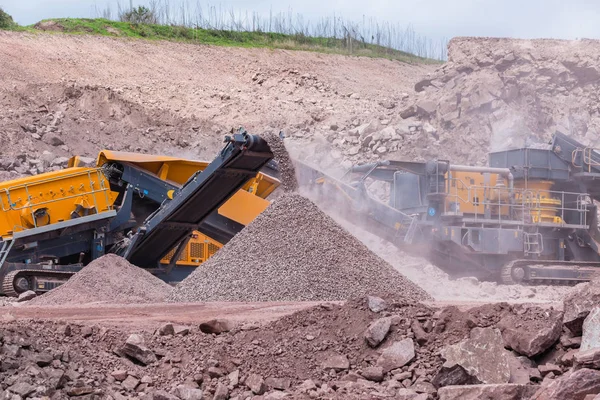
293,252
108,279
284,162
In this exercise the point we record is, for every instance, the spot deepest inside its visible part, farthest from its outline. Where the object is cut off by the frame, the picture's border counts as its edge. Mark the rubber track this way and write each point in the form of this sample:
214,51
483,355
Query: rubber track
8,286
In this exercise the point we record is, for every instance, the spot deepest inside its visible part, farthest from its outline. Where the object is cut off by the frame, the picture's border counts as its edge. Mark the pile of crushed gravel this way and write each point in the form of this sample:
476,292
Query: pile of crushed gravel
108,279
293,252
284,162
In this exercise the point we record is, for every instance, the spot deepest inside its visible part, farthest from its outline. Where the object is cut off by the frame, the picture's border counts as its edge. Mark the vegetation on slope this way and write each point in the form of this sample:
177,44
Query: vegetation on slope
6,21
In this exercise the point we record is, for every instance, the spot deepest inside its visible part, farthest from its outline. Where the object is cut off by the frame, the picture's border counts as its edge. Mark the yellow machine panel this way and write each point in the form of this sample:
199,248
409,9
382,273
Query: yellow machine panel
199,249
53,197
469,192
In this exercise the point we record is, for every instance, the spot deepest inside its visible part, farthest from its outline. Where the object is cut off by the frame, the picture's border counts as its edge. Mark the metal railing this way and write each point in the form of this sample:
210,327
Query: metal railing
527,206
97,187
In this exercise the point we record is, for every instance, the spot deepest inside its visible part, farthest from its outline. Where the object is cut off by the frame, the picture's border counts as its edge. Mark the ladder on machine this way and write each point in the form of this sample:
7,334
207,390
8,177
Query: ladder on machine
5,247
533,243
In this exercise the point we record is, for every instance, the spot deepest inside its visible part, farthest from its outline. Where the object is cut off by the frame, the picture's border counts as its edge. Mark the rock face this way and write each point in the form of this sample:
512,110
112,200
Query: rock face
509,391
531,336
591,330
482,356
571,386
579,303
397,355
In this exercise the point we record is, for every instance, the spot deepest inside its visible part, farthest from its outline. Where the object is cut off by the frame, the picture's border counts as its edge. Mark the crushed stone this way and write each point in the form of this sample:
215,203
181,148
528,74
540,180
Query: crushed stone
107,279
293,252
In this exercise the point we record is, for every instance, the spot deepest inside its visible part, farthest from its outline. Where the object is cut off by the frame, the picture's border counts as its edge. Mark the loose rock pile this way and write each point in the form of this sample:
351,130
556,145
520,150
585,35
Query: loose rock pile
107,279
293,251
367,348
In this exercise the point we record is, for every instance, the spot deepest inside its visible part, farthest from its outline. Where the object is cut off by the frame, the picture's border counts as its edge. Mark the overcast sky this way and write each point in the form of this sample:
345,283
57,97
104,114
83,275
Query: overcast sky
436,19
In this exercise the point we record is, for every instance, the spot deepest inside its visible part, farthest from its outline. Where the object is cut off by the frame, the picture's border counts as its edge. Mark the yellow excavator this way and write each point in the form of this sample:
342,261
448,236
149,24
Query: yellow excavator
165,214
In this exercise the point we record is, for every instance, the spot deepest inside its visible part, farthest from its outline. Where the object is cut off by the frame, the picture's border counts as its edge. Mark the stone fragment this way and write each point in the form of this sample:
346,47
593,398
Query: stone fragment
574,385
547,368
166,330
119,374
406,394
397,355
234,378
426,108
588,358
181,330
130,383
256,384
21,388
278,383
25,296
221,393
216,326
43,359
306,386
482,356
87,331
189,393
591,330
135,348
374,374
520,337
276,395
578,304
408,112
507,391
162,395
338,362
377,331
53,139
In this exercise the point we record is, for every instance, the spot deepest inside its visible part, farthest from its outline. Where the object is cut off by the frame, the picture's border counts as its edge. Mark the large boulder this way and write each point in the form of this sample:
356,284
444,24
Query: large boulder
482,356
531,333
397,355
377,331
135,348
575,385
507,391
579,303
591,330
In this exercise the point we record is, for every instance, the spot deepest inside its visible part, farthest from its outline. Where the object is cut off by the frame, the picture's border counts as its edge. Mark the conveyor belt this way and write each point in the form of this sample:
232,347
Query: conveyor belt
240,160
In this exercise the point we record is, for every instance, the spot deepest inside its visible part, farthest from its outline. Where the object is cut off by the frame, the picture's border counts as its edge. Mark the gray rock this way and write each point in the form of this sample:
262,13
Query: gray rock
377,331
588,358
482,356
189,393
130,383
278,383
136,349
21,388
181,330
578,304
119,374
234,378
407,394
426,108
374,374
376,304
508,391
519,336
591,330
256,383
216,326
574,385
338,362
306,386
397,355
221,393
276,395
162,395
53,139
166,330
25,296
60,161
43,359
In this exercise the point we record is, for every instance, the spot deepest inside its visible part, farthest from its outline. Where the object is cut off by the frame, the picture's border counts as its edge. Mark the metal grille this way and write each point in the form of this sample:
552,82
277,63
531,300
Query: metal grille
197,250
212,249
182,257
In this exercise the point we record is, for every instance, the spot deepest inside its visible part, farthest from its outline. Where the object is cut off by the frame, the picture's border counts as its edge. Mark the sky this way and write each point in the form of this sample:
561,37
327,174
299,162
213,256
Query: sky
435,19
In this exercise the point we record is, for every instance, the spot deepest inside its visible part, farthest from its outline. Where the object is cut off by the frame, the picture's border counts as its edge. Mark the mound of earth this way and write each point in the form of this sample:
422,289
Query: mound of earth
293,252
108,279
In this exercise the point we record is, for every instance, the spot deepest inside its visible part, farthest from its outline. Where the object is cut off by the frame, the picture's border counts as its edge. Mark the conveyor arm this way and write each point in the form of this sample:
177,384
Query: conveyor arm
240,160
